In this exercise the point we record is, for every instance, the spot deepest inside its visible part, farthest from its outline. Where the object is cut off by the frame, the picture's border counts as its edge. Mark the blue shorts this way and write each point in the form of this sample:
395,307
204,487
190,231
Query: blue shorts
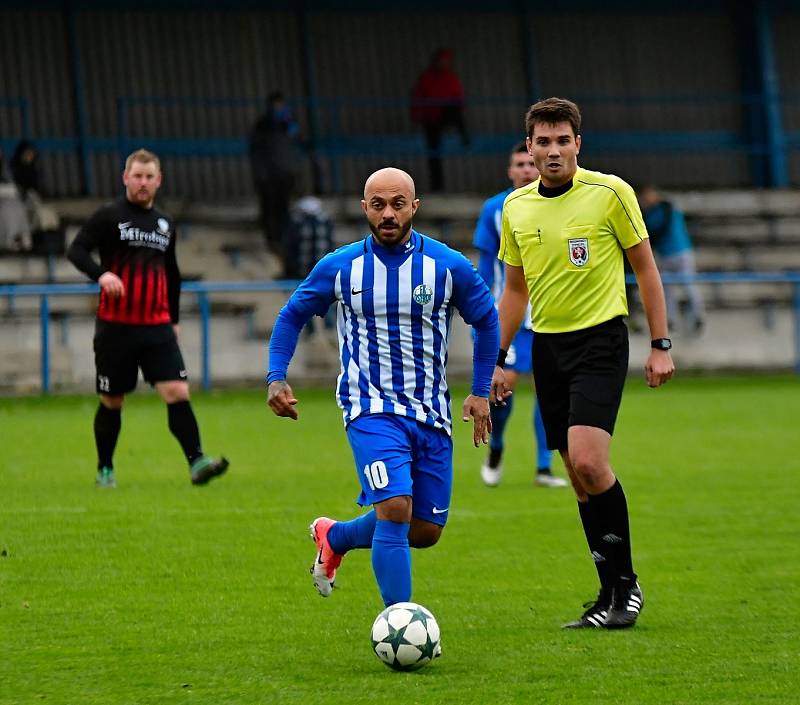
398,456
519,356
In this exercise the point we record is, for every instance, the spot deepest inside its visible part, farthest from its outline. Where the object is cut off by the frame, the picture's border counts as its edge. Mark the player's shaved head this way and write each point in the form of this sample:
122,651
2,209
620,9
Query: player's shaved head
390,203
390,178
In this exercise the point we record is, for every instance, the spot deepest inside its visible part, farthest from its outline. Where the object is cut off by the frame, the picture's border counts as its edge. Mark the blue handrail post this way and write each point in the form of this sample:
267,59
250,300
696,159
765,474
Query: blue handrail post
44,322
122,127
25,111
205,337
776,144
532,84
796,311
79,96
308,62
334,136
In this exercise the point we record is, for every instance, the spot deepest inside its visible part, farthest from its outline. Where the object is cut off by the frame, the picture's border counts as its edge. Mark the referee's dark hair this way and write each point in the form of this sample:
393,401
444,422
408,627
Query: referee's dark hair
552,111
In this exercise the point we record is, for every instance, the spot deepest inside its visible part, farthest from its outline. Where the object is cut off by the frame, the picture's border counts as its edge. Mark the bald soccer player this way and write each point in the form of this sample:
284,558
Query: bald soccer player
396,292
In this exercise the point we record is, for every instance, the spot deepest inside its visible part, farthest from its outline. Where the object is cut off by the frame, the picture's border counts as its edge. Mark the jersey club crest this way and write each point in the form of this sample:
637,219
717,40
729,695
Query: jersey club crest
423,294
578,251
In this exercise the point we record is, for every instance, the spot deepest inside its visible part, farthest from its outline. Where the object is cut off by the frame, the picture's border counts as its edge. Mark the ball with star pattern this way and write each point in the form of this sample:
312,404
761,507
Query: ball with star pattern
405,636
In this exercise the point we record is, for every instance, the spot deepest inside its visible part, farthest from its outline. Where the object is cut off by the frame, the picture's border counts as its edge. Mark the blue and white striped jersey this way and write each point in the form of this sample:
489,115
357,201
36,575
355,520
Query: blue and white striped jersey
395,307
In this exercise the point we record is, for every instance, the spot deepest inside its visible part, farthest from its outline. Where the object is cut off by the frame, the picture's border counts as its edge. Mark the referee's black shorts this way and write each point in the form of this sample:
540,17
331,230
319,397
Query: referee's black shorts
579,378
121,349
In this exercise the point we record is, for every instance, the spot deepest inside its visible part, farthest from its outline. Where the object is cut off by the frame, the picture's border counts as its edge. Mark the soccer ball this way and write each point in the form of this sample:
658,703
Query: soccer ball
405,636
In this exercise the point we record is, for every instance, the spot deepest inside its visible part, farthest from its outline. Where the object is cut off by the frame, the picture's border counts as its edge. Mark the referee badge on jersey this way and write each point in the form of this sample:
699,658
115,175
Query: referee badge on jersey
423,294
578,251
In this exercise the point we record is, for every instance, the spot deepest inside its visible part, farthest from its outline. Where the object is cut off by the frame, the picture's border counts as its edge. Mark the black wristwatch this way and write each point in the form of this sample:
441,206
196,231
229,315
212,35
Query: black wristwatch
661,344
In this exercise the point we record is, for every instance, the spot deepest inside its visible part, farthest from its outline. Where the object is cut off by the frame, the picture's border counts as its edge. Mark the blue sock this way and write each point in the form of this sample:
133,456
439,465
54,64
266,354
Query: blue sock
500,416
391,561
542,454
356,533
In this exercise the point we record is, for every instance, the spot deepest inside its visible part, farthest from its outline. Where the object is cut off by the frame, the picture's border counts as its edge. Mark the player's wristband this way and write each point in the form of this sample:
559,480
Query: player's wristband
501,358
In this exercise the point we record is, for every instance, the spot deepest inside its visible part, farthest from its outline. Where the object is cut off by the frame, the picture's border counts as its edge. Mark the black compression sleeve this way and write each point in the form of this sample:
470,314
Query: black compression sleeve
80,254
86,241
173,280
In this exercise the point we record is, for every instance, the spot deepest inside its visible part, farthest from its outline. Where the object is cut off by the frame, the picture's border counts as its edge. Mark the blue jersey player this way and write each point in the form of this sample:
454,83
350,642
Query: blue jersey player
397,291
521,171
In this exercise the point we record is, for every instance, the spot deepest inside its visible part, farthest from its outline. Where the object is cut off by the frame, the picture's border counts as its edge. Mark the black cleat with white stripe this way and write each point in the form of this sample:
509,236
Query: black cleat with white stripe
626,604
596,614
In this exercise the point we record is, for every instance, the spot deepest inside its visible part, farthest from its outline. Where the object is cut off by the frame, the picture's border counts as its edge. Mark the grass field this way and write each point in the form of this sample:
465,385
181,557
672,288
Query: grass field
160,592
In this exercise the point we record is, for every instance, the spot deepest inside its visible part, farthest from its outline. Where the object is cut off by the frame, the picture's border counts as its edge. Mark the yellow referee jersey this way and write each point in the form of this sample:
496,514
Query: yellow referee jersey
570,248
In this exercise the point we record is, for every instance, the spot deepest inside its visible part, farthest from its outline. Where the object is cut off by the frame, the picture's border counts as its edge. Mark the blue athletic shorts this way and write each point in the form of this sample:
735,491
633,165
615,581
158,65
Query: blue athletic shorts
519,356
398,456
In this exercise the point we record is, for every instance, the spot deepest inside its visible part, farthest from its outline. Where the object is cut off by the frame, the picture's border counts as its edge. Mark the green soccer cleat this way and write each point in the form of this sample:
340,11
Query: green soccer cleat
205,468
105,478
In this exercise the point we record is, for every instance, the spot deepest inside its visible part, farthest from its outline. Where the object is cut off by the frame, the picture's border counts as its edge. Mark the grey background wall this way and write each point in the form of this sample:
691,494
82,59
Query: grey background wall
663,89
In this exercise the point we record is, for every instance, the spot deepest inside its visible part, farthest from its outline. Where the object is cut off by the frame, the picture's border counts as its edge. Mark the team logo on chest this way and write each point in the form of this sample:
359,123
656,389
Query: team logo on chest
163,226
578,251
423,294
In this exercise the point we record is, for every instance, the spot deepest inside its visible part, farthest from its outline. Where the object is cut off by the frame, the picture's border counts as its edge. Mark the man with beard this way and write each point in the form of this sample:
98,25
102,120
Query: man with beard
396,292
137,316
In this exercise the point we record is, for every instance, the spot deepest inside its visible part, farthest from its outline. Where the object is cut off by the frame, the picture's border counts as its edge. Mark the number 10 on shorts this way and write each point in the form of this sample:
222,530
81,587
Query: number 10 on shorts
376,475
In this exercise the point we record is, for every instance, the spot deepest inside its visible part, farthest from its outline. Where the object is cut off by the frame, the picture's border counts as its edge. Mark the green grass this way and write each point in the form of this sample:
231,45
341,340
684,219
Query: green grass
160,592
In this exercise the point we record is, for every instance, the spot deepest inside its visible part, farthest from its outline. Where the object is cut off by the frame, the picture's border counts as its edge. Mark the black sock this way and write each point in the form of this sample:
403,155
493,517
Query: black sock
596,546
610,510
183,425
107,423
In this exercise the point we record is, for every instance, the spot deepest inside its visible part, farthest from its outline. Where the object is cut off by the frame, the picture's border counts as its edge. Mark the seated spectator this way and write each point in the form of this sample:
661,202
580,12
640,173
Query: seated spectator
25,168
672,244
309,237
15,229
46,233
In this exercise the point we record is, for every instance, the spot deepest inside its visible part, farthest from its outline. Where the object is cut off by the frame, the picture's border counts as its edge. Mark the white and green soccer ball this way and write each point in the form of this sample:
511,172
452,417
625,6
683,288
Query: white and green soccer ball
405,636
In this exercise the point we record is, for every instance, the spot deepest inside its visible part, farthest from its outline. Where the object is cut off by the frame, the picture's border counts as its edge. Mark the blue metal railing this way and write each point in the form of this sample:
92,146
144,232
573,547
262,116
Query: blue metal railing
203,289
200,289
342,128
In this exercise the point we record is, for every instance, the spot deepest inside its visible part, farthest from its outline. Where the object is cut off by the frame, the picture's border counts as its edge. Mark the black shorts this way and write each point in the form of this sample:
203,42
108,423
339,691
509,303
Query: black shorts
121,349
579,378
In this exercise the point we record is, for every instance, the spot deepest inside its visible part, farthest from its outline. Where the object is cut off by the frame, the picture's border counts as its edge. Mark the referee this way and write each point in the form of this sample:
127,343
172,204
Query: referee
137,316
562,242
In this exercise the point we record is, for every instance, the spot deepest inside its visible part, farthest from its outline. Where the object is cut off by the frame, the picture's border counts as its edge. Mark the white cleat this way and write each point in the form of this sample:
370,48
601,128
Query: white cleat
491,476
544,479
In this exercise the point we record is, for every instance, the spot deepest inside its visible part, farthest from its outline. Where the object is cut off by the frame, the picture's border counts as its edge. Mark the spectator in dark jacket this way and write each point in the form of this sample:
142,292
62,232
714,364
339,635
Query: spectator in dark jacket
25,168
273,158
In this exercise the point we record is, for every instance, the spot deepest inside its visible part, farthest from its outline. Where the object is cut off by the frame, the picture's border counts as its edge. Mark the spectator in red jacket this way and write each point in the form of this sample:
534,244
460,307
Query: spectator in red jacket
438,103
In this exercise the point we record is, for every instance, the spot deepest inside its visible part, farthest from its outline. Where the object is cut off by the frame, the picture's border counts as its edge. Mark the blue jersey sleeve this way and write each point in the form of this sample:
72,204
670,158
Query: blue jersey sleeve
487,236
486,265
313,297
475,303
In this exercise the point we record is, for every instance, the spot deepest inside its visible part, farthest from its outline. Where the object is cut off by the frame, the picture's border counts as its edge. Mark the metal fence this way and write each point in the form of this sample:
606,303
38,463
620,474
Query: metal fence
202,290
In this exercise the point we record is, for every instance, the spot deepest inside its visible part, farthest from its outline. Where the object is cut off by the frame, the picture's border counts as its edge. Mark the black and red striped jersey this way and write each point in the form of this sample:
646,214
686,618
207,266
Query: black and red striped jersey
138,245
